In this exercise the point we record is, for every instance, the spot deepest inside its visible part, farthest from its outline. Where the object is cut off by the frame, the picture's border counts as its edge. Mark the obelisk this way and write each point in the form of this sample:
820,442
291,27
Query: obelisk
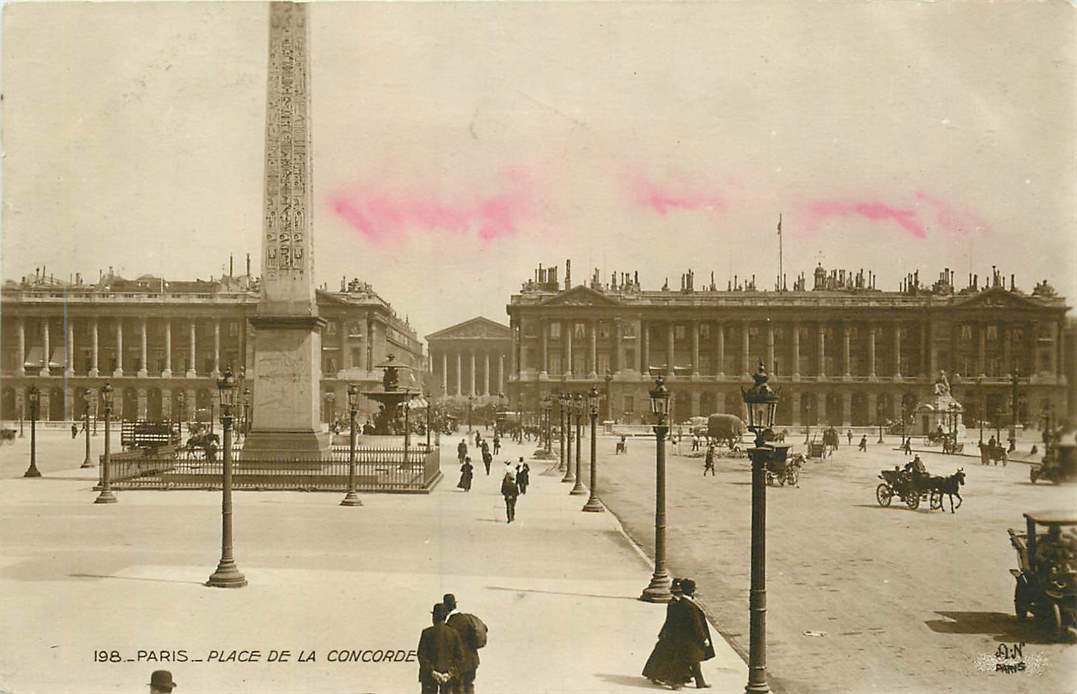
287,354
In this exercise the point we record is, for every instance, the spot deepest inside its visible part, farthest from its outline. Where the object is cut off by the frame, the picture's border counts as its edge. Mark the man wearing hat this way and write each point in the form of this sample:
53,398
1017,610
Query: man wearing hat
663,666
440,654
161,682
472,632
690,636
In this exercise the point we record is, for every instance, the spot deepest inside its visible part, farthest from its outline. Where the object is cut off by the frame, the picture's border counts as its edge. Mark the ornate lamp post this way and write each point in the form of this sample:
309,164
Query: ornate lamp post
547,408
106,496
577,409
88,398
330,409
181,401
561,429
609,395
351,499
981,401
470,400
658,590
566,409
761,402
227,574
1013,414
34,396
593,505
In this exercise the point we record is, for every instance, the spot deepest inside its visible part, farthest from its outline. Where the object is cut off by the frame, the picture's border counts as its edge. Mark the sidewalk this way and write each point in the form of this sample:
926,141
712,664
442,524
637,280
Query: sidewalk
557,588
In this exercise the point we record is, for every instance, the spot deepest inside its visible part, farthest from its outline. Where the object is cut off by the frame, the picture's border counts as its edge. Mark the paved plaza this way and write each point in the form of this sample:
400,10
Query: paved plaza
557,588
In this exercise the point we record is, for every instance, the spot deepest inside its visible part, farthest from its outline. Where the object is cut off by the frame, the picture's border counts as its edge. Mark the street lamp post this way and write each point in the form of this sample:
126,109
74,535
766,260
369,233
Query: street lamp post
227,574
547,407
658,589
566,407
470,399
1013,413
609,395
246,411
577,409
761,402
593,505
561,429
87,397
106,496
181,400
351,499
981,401
34,396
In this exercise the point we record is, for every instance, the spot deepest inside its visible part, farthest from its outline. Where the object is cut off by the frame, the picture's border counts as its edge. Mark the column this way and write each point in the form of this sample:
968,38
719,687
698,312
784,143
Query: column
745,348
192,368
645,348
981,349
345,351
217,346
1053,365
695,357
845,356
48,347
933,354
142,404
119,348
897,351
144,364
846,409
820,370
471,390
69,369
20,368
93,351
566,340
719,348
796,355
615,358
444,373
167,373
594,349
873,409
871,353
794,403
486,374
545,356
770,348
695,402
500,373
166,403
459,374
1060,353
670,348
719,401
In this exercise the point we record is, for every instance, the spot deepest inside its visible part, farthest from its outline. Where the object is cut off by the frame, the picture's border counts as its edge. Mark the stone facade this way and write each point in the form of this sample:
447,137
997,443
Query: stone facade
154,338
843,352
470,358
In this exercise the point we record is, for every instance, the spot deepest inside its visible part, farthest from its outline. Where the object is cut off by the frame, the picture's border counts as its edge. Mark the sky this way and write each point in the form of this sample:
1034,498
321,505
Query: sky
457,146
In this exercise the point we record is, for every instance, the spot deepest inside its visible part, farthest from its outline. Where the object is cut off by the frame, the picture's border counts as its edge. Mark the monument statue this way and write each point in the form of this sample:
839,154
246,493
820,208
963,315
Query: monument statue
287,329
942,384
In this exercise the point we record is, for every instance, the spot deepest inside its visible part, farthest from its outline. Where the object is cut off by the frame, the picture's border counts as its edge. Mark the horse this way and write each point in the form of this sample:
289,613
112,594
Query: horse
949,486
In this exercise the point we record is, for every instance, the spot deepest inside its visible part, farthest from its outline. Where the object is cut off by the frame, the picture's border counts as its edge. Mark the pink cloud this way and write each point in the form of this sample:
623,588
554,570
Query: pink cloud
922,213
905,217
951,217
647,193
381,215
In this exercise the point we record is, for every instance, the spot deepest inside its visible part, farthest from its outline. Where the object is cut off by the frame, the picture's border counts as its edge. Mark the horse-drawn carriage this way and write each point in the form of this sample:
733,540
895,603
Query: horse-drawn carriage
1059,464
1047,570
910,487
992,453
7,436
785,471
950,444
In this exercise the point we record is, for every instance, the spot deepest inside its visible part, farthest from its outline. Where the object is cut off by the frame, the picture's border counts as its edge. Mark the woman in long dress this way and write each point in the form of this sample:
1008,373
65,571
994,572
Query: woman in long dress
664,666
465,474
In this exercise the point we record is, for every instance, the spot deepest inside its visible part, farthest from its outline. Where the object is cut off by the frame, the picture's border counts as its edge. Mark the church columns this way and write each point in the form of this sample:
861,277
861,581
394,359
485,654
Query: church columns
143,364
796,357
871,353
167,373
486,374
20,368
445,373
846,365
545,356
566,335
119,348
69,356
897,351
745,348
500,373
593,329
719,330
695,358
93,352
820,368
192,365
770,347
471,390
459,374
47,346
645,348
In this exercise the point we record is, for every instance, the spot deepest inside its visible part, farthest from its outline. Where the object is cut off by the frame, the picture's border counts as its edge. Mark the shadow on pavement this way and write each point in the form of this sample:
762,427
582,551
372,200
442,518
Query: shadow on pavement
1000,626
558,592
138,578
627,681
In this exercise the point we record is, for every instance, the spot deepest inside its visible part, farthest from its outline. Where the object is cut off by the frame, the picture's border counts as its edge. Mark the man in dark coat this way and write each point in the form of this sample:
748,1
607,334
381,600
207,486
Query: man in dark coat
690,635
510,491
463,625
440,655
663,666
708,460
466,473
461,451
523,476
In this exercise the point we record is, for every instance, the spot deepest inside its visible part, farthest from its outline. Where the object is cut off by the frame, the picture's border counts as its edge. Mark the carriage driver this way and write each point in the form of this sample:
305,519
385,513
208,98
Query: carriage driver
916,470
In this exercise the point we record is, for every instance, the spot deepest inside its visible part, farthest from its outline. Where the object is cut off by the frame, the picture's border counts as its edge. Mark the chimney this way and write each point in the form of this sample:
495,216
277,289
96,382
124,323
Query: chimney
1011,283
231,265
568,274
248,266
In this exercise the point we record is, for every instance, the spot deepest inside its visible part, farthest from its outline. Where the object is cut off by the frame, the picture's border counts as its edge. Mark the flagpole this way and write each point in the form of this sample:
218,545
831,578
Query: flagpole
781,285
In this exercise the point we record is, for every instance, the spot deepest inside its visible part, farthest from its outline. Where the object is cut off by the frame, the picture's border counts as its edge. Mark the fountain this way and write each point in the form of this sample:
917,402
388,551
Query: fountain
387,421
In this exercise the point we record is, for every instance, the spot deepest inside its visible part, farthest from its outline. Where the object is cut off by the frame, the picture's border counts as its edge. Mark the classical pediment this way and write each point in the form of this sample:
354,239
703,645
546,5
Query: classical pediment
997,298
482,328
581,296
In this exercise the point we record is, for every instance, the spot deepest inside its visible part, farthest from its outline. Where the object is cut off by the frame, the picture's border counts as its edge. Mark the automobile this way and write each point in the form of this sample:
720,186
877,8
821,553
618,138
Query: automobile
1046,577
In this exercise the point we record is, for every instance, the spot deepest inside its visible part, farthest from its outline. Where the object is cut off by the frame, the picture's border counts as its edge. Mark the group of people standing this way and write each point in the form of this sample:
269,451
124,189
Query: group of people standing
449,650
683,643
513,483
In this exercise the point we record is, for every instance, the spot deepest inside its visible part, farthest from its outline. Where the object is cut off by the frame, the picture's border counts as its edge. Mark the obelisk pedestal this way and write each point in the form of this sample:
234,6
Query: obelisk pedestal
287,353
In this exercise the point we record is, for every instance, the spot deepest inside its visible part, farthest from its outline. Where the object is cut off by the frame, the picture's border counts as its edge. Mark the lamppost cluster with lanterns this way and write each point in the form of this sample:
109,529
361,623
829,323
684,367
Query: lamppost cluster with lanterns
577,409
88,398
566,433
351,498
34,396
593,505
106,496
227,574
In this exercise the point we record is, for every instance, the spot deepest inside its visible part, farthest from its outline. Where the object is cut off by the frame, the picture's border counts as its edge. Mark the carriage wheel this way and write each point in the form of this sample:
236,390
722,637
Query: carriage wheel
913,501
883,494
1056,618
936,501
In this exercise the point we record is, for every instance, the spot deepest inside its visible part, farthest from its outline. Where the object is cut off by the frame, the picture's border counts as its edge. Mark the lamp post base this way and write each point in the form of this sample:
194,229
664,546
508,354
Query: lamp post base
578,489
226,576
569,477
757,688
658,590
32,472
351,499
88,463
593,505
106,497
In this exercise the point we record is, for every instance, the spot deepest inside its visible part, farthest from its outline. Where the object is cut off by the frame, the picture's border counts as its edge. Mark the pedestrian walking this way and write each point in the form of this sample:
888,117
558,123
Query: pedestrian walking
440,655
497,444
510,491
691,635
161,682
695,442
849,435
908,446
461,450
523,476
487,458
478,439
472,632
466,475
663,666
708,460
74,430
863,447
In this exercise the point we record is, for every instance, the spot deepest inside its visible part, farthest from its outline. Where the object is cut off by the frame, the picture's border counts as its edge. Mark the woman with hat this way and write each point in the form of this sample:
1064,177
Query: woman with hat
690,637
663,666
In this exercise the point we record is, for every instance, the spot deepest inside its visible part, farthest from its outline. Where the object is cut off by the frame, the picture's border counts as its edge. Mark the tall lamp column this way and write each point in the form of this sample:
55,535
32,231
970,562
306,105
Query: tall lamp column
658,590
351,499
88,398
577,409
34,396
566,407
106,496
227,574
561,429
593,505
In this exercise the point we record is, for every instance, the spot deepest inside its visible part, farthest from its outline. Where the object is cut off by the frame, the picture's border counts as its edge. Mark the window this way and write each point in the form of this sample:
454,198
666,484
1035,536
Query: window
630,404
992,332
233,329
357,356
555,330
628,329
331,328
579,330
678,332
704,330
966,332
